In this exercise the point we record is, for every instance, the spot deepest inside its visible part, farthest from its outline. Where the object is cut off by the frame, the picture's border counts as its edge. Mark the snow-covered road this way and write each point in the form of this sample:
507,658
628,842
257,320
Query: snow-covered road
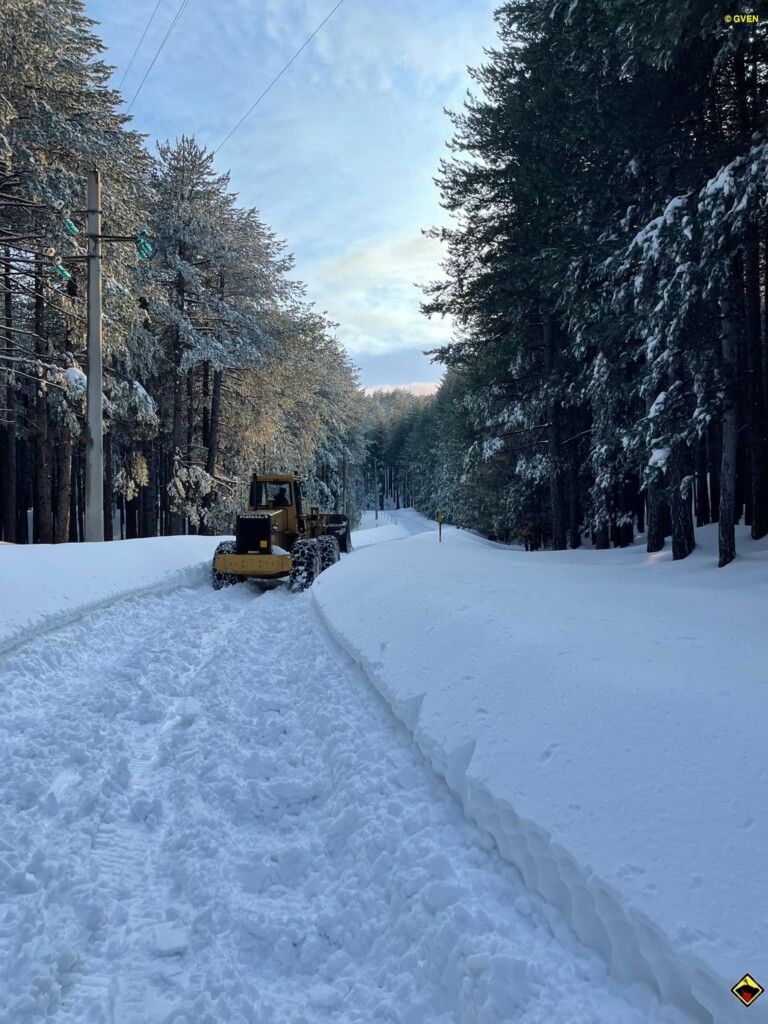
207,815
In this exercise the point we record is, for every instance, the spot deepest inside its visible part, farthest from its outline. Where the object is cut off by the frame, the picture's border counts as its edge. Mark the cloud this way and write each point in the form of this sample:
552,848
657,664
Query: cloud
370,292
340,156
372,43
415,387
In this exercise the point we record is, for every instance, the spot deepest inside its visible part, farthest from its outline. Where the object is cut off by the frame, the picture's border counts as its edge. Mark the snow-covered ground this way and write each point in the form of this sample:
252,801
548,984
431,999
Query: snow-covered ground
376,530
207,813
42,585
602,715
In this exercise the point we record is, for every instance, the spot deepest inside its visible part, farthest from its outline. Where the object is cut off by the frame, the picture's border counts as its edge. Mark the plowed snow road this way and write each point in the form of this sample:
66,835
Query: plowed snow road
208,815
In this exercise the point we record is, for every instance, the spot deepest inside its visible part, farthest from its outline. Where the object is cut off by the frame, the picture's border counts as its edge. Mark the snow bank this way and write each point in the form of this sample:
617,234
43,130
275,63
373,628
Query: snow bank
47,585
367,537
369,520
42,585
602,715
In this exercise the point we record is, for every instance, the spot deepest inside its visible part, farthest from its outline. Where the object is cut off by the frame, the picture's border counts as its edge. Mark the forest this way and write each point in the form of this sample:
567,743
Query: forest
606,274
215,362
605,278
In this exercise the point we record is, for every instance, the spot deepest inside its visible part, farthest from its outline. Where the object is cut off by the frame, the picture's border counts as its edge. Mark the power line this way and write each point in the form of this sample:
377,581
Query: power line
138,45
248,113
182,7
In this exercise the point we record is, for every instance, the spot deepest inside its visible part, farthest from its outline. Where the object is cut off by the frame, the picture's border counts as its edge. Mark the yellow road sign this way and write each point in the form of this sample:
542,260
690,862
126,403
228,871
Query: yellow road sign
747,991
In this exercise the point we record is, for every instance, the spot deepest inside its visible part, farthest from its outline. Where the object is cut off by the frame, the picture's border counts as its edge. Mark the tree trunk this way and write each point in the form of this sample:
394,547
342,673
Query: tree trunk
613,526
740,489
148,517
756,413
64,479
752,447
190,411
211,424
627,525
44,506
176,521
683,537
9,454
554,438
703,517
4,441
165,525
81,496
74,536
714,456
574,502
132,518
206,402
213,436
726,531
655,508
109,496
765,321
24,485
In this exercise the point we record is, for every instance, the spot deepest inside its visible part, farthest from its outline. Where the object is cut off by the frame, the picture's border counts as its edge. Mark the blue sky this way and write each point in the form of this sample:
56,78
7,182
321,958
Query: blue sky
339,157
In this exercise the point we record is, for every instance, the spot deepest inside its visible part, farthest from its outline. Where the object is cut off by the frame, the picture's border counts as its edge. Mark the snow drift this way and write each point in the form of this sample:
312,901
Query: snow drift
596,712
45,585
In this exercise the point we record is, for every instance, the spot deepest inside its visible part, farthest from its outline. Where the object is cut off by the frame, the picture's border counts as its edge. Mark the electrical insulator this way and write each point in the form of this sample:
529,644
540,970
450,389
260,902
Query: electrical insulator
143,248
61,272
70,227
50,253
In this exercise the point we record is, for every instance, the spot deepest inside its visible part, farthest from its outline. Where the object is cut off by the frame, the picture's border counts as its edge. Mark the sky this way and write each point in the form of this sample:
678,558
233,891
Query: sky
339,157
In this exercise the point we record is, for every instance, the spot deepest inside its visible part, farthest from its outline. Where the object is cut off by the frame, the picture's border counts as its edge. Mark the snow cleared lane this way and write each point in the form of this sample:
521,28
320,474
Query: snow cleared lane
207,815
412,521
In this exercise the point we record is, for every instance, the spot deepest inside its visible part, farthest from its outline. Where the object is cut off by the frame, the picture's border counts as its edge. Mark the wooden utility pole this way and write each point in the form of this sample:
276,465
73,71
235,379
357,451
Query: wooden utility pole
344,483
94,443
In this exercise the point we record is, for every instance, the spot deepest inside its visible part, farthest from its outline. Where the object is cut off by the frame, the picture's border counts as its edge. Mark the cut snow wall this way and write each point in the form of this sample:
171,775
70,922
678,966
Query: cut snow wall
634,948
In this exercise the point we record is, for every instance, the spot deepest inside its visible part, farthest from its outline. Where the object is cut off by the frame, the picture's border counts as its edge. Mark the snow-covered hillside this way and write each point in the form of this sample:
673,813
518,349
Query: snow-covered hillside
208,813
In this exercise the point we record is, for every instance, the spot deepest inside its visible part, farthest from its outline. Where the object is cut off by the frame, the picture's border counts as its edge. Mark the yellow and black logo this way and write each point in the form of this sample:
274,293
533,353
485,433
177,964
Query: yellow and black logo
747,990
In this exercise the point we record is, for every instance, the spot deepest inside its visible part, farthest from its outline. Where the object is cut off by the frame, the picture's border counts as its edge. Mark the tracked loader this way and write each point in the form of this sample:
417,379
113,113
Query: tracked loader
279,539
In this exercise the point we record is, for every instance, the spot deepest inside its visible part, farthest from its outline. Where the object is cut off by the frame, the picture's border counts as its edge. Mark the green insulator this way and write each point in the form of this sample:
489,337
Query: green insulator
70,227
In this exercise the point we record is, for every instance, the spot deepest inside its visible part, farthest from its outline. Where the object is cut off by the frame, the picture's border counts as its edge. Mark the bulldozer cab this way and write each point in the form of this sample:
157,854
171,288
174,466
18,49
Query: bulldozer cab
274,492
271,494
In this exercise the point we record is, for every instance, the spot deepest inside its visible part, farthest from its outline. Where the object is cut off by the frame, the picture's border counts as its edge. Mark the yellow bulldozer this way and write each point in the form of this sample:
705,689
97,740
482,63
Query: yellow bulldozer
277,538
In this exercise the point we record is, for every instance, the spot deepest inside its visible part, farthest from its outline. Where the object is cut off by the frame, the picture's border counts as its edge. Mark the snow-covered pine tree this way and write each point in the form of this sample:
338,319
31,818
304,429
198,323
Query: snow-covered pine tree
590,212
57,119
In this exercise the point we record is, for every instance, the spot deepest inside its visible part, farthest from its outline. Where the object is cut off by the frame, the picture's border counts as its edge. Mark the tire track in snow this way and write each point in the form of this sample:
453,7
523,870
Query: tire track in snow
127,851
128,656
213,767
